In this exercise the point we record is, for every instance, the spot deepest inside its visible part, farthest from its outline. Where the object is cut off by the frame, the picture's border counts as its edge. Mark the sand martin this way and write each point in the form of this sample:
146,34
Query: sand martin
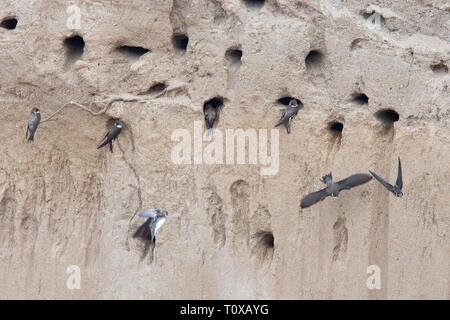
148,229
111,135
333,188
289,113
210,116
33,122
397,189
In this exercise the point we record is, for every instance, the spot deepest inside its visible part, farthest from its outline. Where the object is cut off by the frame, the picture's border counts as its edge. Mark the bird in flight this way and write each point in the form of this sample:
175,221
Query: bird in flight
333,188
112,134
397,189
33,122
148,229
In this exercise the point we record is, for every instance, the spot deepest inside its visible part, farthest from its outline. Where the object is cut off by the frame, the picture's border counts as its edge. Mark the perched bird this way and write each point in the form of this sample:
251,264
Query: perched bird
333,188
210,116
397,189
111,135
289,113
33,122
148,229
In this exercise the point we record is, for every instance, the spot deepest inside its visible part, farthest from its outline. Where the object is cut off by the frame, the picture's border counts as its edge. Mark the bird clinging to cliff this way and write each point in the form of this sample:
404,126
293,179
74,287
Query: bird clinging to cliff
333,188
397,189
148,229
289,113
112,134
33,122
210,116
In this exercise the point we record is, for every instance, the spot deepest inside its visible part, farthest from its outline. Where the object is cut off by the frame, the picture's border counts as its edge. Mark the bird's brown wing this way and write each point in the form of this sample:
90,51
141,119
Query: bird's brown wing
144,230
387,185
283,119
33,120
313,198
104,141
353,181
110,135
33,123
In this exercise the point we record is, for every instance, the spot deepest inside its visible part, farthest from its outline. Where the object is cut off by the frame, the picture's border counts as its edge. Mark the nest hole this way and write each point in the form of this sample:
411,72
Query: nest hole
264,246
216,102
387,116
360,98
336,127
267,240
314,59
254,4
180,42
157,88
234,56
132,51
9,23
356,44
285,100
439,68
74,47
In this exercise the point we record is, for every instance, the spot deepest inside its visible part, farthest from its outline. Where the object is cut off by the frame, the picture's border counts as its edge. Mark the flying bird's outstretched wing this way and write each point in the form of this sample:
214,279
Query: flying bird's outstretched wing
147,229
353,181
387,185
313,198
151,213
399,182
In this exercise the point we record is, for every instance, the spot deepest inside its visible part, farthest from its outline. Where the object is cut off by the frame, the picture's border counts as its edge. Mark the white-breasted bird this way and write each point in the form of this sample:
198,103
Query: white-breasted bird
148,229
333,188
112,134
289,113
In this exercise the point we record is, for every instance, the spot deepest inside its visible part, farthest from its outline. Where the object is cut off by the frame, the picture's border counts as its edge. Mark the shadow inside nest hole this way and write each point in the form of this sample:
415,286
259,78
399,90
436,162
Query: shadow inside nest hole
264,247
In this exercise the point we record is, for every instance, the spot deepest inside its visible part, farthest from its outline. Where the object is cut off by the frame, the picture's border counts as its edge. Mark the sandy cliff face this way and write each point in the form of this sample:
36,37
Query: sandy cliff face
231,232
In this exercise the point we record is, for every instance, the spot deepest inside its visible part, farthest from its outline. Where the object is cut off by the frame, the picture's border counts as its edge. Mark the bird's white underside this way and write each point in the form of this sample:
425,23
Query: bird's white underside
159,223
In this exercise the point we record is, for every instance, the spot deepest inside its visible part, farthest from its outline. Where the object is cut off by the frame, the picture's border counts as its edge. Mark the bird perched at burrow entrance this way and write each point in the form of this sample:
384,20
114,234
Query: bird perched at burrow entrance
112,134
397,189
210,117
289,113
33,122
333,188
148,229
